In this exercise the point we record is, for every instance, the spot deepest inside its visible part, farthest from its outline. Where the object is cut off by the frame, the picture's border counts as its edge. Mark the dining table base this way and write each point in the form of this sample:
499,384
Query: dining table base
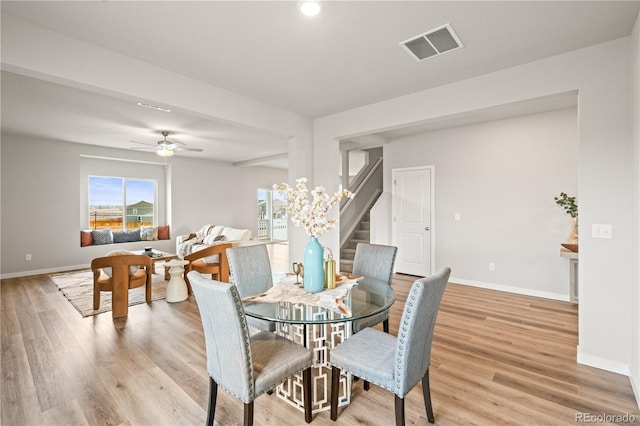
320,339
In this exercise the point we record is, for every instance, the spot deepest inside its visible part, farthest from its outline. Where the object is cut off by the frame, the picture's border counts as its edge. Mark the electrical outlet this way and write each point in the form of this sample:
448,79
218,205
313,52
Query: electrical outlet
27,257
492,266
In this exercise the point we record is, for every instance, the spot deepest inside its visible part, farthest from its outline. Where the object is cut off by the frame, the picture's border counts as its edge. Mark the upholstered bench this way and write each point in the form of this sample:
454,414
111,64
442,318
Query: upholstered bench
91,237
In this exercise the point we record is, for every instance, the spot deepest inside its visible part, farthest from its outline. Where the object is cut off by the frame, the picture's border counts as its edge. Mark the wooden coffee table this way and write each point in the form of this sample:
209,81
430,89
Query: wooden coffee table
159,256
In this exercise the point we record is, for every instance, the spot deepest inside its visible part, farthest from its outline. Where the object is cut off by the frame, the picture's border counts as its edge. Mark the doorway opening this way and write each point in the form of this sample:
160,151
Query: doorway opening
272,216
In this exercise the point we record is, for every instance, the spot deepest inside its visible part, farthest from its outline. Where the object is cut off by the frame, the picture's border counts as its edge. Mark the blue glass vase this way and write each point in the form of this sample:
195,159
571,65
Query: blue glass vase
313,264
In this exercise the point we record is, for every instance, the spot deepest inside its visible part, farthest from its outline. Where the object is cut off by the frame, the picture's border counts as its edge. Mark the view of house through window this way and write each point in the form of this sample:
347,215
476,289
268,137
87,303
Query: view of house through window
121,204
272,216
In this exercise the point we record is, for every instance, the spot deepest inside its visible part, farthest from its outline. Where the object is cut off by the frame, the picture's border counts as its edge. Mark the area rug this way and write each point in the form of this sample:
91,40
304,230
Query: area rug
77,287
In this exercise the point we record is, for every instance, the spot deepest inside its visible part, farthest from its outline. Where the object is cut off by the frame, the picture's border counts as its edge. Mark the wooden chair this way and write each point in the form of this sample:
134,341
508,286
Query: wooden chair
395,363
127,271
244,365
218,270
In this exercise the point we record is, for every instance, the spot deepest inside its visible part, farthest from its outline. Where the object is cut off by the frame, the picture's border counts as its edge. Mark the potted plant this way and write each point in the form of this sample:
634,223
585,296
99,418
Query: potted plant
571,208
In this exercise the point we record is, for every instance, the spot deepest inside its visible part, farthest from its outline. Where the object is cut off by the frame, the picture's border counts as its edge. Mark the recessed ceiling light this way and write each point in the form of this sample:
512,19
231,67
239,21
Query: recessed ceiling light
153,107
309,8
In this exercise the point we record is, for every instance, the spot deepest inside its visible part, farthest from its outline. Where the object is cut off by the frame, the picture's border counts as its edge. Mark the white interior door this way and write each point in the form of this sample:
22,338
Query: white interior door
412,227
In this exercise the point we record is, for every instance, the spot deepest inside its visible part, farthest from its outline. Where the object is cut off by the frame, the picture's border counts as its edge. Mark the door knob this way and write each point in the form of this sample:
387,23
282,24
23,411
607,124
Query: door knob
426,228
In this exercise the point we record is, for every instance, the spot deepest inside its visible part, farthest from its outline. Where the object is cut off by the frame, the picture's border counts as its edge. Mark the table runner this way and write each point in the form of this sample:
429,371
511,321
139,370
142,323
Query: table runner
284,290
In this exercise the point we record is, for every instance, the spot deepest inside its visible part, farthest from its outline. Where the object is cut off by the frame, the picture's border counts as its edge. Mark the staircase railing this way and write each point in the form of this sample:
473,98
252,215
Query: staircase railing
364,196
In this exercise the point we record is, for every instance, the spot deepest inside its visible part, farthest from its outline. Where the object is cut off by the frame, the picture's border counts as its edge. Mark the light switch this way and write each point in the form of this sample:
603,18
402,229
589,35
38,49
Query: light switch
599,230
456,217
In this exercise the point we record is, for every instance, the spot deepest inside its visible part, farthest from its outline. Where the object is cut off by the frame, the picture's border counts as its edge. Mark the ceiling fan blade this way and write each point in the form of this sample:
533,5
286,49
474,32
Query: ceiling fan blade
142,149
173,146
143,143
184,148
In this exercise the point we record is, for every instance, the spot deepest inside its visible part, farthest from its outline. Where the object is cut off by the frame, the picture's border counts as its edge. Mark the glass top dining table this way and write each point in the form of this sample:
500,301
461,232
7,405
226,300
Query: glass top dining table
368,297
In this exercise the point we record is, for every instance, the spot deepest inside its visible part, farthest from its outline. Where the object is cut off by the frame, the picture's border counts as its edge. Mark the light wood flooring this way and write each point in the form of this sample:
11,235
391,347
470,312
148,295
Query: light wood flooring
497,359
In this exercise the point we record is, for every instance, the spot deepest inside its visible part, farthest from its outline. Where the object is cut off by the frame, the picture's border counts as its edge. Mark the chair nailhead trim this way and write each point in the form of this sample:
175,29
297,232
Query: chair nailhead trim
247,343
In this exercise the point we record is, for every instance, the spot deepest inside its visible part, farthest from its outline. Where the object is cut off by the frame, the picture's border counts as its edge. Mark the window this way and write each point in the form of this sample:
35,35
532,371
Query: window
127,173
120,203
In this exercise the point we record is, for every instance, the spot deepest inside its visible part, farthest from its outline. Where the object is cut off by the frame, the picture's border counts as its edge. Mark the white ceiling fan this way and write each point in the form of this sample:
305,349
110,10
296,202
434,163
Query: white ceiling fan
165,148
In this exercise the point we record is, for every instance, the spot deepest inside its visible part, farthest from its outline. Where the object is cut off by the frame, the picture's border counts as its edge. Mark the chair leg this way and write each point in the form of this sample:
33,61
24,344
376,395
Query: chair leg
335,383
385,326
213,395
148,288
366,385
399,411
187,269
120,298
96,297
248,414
426,393
308,396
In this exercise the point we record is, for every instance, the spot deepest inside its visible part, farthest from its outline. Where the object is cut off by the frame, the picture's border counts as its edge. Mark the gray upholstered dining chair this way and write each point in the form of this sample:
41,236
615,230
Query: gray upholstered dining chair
250,271
395,363
245,366
374,261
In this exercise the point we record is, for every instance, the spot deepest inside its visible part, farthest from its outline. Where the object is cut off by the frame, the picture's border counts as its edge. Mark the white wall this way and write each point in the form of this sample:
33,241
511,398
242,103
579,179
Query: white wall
501,177
41,201
635,366
602,75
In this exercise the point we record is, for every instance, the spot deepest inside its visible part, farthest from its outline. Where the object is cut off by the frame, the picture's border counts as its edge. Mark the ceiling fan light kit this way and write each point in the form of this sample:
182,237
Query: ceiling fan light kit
165,148
165,152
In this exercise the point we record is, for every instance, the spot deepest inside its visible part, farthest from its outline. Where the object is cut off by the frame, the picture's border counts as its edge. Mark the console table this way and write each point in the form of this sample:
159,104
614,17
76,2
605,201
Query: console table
573,273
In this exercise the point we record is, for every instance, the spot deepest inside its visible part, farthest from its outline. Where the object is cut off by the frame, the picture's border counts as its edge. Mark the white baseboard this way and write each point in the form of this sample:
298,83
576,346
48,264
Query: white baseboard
510,289
44,271
635,385
603,364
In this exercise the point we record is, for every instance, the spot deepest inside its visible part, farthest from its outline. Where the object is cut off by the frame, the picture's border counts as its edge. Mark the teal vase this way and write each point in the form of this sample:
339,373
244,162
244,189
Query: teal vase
313,264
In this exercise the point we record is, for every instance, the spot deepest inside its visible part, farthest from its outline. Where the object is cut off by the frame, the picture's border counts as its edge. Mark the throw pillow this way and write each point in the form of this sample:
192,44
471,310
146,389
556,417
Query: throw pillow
219,238
102,236
132,268
133,236
148,233
216,230
126,236
163,232
235,234
86,238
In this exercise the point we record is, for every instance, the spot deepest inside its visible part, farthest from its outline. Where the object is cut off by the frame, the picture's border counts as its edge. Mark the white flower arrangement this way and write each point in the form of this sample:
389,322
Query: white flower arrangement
312,215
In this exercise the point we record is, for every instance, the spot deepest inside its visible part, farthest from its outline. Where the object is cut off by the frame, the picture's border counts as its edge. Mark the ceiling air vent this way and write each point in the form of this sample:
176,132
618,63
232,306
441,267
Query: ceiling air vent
432,43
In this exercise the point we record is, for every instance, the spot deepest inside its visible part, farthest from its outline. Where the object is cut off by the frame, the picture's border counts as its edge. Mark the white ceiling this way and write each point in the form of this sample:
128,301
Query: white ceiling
346,57
52,111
